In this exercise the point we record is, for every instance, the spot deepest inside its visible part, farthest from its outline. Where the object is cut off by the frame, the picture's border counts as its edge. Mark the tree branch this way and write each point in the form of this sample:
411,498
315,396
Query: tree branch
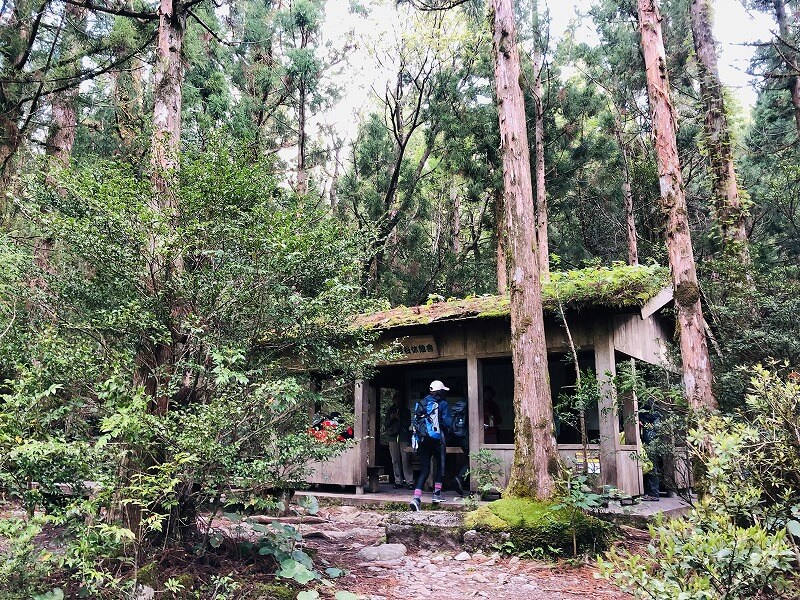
120,11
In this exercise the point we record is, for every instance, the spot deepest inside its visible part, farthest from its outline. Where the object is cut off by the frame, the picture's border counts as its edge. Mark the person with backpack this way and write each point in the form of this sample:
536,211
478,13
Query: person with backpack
459,433
431,419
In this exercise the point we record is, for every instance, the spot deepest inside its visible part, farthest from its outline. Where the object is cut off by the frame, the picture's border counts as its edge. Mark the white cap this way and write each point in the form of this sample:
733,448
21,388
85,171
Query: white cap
437,386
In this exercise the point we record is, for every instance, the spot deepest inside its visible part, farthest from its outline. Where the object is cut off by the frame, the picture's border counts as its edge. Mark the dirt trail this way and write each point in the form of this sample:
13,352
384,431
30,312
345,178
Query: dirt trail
430,574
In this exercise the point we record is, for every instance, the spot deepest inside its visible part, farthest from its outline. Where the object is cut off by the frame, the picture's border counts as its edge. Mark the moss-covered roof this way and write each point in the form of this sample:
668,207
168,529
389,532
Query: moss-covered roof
619,286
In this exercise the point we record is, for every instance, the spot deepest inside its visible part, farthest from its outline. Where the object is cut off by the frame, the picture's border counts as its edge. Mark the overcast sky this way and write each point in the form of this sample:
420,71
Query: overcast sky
733,27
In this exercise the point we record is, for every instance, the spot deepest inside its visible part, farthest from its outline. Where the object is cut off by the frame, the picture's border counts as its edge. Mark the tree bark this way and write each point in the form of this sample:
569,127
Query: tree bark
730,213
64,107
535,456
302,170
167,96
500,236
694,351
790,55
541,189
455,207
627,194
167,92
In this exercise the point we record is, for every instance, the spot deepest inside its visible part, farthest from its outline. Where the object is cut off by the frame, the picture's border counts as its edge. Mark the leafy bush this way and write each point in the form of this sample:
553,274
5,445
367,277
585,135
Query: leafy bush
734,543
163,355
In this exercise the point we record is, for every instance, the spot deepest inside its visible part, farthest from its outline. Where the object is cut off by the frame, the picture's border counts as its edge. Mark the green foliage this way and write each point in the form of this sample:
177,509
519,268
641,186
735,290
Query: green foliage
487,471
165,357
23,565
753,323
576,497
539,525
703,557
734,543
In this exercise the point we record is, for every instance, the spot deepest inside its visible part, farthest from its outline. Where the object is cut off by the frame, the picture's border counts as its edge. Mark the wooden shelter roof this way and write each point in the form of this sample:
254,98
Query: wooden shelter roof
619,286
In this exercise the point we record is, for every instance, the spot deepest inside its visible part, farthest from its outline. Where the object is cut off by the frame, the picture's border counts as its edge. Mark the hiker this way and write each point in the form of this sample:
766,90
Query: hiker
459,433
396,428
492,417
649,423
431,417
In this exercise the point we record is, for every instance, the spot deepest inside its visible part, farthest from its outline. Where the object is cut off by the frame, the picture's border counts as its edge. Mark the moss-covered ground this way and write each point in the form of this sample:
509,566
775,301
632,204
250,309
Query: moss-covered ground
534,525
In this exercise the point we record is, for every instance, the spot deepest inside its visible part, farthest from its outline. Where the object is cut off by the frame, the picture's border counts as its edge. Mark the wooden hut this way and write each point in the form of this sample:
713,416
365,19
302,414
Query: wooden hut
613,314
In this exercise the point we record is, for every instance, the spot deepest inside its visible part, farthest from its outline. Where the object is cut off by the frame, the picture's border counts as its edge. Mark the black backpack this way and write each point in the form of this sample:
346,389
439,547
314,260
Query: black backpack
459,413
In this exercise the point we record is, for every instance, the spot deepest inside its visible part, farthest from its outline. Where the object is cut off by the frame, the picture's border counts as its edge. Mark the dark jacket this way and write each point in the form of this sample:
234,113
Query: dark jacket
397,426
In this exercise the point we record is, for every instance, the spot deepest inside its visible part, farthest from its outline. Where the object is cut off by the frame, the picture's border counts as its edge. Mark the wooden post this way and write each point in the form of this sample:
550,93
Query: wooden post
605,365
360,431
474,404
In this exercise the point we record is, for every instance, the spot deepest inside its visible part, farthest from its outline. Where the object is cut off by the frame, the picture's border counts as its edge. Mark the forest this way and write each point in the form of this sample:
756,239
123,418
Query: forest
189,227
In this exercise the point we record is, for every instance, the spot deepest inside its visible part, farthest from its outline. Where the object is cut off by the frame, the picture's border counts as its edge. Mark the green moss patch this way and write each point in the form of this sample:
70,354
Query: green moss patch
618,286
537,525
267,591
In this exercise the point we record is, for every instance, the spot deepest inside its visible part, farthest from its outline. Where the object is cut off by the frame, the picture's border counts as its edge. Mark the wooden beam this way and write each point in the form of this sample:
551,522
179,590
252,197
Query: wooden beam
474,404
360,431
605,365
657,302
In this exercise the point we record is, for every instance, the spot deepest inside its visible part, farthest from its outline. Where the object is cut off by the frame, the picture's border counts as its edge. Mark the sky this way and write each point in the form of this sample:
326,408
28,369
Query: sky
734,28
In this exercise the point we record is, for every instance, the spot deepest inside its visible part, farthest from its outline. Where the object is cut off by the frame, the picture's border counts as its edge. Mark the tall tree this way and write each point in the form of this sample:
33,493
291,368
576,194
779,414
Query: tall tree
694,350
627,191
541,188
787,48
64,106
535,455
729,208
302,23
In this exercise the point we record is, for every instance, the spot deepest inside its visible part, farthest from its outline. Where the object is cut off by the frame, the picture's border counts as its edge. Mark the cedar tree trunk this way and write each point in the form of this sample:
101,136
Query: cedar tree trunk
694,351
155,359
627,194
541,190
728,206
790,54
500,236
167,97
535,455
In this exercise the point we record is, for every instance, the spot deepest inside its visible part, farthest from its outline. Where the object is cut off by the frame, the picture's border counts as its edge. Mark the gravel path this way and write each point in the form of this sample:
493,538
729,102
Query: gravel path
443,575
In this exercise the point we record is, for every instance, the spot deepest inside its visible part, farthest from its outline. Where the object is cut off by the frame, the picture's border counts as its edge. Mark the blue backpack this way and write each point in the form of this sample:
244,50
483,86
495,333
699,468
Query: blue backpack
424,422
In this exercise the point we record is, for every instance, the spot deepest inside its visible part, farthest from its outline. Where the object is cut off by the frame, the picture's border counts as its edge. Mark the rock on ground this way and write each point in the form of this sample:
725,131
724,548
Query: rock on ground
382,553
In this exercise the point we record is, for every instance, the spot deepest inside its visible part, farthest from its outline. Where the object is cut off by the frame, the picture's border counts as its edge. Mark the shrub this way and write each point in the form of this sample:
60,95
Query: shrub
166,357
734,543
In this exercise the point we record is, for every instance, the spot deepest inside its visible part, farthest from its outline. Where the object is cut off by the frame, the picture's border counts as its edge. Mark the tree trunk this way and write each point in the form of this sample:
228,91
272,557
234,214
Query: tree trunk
455,207
10,139
541,190
730,214
62,130
335,179
302,171
61,137
694,351
167,97
167,92
627,194
500,236
535,456
790,54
